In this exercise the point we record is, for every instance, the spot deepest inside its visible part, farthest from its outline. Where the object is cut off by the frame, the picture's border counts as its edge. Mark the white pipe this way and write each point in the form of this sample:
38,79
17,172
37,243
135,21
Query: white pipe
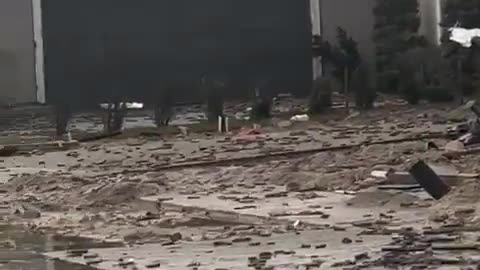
39,54
226,125
438,13
316,31
219,124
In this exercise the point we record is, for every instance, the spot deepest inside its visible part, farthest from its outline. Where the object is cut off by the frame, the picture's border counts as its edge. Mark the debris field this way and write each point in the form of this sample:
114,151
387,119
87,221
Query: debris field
315,194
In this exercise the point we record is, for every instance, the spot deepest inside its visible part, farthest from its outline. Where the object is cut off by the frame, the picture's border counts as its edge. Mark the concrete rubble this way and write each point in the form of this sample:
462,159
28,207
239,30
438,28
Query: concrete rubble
339,196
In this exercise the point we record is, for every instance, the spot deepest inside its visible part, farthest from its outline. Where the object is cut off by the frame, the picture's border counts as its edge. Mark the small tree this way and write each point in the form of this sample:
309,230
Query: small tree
424,73
215,98
395,32
262,106
115,113
321,95
62,117
164,106
345,58
361,84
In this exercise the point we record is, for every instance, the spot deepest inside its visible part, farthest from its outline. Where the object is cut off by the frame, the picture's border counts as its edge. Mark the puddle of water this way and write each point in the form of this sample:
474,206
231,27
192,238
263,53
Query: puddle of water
22,250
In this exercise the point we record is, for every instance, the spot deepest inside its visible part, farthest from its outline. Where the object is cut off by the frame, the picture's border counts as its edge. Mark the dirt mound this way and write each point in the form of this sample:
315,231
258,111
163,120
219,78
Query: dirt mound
113,194
57,192
381,198
466,194
460,205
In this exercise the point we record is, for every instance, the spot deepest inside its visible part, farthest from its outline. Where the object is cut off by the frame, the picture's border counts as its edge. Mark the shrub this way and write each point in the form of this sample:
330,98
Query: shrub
321,95
362,88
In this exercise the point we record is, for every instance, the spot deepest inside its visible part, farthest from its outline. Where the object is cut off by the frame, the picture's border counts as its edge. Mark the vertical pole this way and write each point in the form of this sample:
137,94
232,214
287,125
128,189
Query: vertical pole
219,124
227,129
38,51
316,31
438,14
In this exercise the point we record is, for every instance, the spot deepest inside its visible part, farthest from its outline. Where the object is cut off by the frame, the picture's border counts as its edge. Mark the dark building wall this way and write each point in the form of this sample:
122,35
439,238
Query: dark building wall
17,72
94,47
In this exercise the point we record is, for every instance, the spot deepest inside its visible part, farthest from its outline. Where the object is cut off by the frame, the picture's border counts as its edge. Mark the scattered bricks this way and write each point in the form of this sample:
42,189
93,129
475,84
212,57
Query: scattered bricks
455,247
363,223
126,262
76,252
439,217
314,264
347,240
154,264
93,261
440,238
464,211
90,256
176,237
343,263
338,228
403,249
283,252
194,264
265,233
265,255
325,216
276,194
361,256
242,239
27,212
221,243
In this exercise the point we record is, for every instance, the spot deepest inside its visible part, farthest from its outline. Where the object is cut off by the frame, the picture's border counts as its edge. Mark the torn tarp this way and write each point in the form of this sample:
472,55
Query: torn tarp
464,36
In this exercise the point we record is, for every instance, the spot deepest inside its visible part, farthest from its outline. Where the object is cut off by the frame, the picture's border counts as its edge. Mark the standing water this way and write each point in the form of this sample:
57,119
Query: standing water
20,250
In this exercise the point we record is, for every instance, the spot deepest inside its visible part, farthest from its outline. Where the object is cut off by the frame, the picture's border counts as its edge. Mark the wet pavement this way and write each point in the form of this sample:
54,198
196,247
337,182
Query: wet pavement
21,250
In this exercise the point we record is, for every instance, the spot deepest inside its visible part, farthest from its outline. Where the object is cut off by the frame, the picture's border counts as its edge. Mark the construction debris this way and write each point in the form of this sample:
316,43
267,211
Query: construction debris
429,180
340,184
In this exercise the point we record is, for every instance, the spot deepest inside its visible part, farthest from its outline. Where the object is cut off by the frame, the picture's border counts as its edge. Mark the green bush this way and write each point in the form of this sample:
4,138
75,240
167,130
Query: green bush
437,94
261,109
364,92
395,32
215,100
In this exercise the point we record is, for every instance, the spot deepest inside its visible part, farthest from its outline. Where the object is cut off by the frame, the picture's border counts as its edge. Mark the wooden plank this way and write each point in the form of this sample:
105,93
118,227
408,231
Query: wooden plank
48,146
405,178
277,155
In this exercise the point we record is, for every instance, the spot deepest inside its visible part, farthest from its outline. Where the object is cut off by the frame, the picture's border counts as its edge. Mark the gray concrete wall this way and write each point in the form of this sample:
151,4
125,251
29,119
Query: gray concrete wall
17,71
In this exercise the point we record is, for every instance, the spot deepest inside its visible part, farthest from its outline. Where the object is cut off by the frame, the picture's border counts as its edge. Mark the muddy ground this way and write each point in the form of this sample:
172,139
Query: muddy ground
287,196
